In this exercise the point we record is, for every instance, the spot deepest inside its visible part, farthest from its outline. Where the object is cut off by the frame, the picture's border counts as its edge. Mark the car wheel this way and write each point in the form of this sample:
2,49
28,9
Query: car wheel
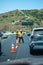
31,51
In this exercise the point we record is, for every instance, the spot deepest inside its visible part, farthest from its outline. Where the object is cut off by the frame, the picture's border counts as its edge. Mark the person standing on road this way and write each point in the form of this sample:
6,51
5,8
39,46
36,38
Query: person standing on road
21,36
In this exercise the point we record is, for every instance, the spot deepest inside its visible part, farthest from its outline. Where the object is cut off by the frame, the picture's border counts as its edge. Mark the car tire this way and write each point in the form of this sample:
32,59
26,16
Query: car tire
31,51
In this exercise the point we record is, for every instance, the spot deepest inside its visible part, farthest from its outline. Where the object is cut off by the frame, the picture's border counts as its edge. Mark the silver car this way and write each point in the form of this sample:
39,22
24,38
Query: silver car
36,41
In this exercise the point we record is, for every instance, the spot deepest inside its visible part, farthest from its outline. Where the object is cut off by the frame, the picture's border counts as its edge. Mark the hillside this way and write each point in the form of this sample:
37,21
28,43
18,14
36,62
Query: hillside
21,19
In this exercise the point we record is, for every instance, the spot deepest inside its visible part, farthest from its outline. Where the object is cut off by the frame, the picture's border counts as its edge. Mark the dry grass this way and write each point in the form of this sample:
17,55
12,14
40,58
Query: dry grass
6,20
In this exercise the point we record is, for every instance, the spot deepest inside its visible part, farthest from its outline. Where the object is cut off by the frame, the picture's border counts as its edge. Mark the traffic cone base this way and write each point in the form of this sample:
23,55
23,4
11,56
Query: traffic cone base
13,50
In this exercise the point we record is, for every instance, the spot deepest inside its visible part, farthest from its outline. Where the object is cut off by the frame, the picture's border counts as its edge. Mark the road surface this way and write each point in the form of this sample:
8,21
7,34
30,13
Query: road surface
22,51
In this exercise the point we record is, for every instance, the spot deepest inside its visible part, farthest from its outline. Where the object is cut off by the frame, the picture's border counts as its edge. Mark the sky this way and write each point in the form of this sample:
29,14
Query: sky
10,5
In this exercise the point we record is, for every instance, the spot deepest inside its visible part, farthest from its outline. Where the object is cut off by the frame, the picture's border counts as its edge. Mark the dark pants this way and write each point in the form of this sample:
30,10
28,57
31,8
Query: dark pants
21,38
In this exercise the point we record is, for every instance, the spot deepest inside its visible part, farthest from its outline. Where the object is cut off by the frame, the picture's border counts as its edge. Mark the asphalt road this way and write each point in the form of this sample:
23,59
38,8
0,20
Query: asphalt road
22,51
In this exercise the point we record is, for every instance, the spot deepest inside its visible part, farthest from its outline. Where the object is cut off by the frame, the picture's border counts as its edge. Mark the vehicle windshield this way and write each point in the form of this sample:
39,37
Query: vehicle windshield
20,20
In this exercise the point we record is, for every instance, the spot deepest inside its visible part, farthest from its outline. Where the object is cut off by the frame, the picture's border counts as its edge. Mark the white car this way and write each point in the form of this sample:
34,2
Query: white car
4,37
36,40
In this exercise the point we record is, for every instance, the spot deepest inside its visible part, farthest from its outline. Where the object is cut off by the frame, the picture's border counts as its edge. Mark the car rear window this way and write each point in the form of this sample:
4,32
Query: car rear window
38,31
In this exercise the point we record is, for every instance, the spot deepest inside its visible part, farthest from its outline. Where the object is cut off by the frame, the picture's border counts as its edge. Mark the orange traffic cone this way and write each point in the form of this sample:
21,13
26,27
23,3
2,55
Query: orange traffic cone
17,42
13,50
